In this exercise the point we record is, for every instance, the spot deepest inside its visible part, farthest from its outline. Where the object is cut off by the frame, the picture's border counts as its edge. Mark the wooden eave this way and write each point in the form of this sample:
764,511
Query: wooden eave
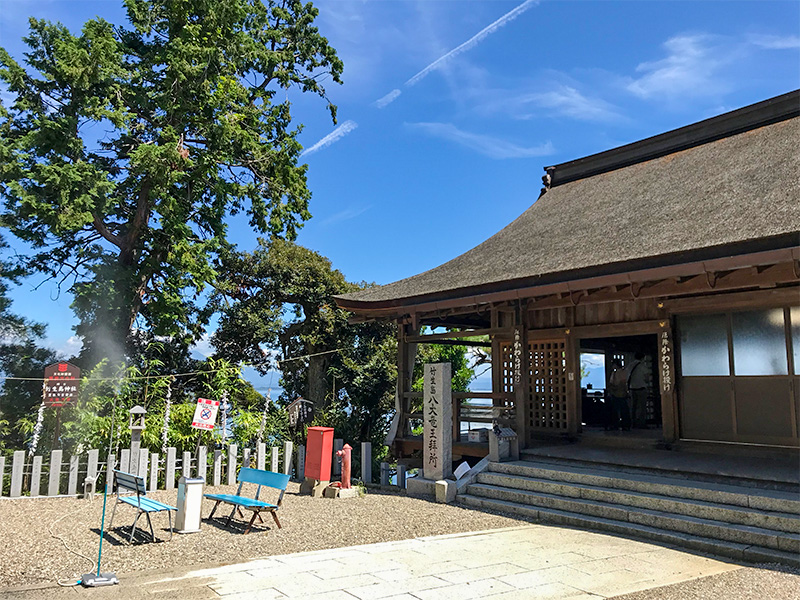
721,270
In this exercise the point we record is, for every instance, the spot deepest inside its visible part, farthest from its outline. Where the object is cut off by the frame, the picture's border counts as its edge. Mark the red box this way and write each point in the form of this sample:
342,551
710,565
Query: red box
319,452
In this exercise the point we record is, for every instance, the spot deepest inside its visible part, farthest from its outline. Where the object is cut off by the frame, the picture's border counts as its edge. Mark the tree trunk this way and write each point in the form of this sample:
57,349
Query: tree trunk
318,380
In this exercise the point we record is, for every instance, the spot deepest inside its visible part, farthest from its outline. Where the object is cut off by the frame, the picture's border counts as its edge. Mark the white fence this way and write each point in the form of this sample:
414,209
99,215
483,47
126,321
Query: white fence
23,475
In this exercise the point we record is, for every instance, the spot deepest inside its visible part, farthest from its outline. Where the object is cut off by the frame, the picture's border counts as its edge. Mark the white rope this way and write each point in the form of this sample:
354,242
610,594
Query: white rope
71,582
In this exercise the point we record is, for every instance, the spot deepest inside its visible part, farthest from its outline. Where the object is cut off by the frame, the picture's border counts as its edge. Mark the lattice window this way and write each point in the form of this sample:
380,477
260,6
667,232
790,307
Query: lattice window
548,385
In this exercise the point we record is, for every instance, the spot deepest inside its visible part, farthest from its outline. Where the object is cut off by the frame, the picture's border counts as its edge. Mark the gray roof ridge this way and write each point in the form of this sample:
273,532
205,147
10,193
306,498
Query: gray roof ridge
753,116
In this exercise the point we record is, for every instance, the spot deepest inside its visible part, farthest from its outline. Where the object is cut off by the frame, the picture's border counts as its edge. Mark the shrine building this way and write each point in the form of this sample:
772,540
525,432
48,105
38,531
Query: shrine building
682,249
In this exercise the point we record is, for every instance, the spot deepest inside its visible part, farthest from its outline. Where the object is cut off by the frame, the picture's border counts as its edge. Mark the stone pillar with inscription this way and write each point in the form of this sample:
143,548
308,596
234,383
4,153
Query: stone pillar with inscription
437,446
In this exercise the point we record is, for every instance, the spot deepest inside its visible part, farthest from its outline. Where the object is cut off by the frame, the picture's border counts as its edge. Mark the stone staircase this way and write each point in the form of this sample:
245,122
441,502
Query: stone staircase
734,519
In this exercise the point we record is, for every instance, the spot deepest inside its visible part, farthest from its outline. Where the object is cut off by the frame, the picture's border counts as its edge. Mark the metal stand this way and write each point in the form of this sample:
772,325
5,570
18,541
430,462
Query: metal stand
98,580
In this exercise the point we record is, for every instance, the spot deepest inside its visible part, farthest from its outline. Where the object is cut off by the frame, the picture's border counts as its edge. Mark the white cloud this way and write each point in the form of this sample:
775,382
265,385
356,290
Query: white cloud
69,347
345,215
484,144
334,136
690,69
569,102
775,42
203,346
388,98
473,41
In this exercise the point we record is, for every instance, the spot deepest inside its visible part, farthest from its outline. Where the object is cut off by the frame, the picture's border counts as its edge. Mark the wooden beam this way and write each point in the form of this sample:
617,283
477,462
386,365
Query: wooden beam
432,337
771,298
616,329
471,343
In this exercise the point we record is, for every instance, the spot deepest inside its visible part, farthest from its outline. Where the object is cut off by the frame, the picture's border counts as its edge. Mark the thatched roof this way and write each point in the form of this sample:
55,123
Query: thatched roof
724,196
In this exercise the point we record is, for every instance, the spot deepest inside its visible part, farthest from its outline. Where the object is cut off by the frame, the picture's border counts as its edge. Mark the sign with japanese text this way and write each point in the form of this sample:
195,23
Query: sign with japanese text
437,439
301,411
205,414
665,359
62,381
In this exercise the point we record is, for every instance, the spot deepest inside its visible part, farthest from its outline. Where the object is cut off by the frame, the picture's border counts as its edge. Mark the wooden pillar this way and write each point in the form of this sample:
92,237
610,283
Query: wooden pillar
572,357
521,372
666,379
406,353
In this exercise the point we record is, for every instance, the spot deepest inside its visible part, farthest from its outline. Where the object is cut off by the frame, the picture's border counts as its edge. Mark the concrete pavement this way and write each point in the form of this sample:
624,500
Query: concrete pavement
532,561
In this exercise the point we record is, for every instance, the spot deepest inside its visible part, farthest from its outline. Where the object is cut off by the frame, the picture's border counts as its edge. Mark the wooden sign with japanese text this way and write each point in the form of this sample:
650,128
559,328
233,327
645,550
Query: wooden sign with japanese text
437,440
62,381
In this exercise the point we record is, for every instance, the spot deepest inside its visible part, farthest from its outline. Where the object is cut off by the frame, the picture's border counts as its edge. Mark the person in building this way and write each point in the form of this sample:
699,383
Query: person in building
620,413
637,386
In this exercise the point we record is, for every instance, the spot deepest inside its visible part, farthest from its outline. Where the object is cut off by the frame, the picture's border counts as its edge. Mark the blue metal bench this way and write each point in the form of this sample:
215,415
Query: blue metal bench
141,502
261,479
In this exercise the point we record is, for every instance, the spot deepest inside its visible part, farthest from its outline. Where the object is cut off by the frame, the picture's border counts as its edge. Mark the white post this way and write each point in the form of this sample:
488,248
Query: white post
170,474
246,457
2,473
274,466
111,464
202,462
287,457
437,440
366,462
55,473
186,465
301,463
17,466
36,475
154,471
232,451
125,460
261,456
143,454
72,485
91,463
217,467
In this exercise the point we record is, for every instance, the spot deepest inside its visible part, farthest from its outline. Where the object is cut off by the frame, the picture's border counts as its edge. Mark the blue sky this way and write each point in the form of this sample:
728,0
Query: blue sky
451,109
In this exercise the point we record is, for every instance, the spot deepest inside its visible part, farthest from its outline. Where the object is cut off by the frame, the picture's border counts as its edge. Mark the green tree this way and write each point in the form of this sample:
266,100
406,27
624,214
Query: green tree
280,297
23,356
125,148
457,356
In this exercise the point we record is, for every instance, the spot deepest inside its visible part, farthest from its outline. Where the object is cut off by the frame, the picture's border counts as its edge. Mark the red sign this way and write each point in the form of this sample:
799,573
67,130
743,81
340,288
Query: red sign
61,384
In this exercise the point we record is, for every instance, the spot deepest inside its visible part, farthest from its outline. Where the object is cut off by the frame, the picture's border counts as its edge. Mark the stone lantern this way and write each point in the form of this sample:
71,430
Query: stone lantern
136,423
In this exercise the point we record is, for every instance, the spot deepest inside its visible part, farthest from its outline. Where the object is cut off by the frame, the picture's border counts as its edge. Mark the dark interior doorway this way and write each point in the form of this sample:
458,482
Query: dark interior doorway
597,355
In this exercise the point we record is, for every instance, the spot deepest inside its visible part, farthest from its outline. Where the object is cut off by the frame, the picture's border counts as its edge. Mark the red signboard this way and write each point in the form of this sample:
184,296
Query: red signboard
61,384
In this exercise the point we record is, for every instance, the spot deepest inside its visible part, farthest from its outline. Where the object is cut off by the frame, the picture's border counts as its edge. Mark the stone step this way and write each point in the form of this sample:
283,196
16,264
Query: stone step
738,551
675,487
675,465
673,503
708,528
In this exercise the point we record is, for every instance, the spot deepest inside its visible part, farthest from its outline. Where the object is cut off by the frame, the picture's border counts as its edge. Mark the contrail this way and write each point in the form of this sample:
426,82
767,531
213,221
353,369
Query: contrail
387,99
474,40
334,136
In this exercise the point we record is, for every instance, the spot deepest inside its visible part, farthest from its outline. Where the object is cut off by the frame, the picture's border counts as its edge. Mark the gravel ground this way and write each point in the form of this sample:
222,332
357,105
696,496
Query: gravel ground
770,582
32,556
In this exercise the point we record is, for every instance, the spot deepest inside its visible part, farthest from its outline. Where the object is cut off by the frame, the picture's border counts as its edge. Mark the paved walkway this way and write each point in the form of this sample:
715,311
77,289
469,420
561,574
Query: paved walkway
533,561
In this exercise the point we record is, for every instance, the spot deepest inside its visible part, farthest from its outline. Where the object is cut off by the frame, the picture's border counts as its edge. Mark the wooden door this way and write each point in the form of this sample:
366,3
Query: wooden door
547,387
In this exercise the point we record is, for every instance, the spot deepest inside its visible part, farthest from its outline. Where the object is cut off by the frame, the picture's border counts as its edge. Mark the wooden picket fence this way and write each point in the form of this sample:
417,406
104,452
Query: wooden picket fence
61,475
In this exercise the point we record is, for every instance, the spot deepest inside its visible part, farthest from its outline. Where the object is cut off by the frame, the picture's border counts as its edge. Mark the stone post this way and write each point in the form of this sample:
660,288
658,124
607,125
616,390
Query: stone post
437,448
